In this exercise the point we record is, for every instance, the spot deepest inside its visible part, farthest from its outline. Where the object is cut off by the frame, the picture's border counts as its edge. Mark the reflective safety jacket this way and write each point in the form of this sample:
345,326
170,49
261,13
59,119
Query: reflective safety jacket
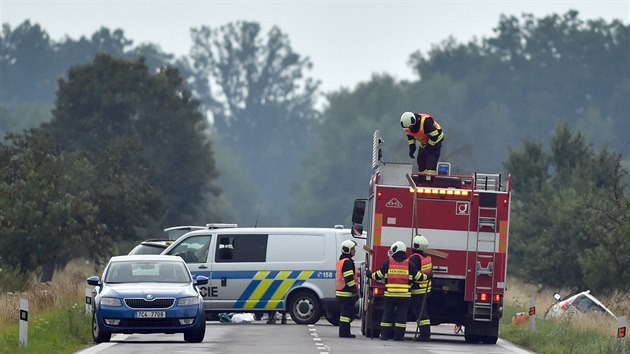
429,131
346,284
425,263
398,274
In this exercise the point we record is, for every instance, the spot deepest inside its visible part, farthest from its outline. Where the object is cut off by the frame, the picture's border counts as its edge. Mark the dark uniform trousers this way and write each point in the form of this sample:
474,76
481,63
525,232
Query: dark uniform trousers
394,321
422,319
346,314
428,157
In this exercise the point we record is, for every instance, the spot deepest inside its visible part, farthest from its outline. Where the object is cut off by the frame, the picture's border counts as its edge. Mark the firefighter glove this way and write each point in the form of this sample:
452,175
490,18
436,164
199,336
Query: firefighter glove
368,273
412,150
355,297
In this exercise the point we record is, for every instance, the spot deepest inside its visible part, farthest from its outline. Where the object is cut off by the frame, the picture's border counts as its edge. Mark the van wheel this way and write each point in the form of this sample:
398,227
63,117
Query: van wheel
304,307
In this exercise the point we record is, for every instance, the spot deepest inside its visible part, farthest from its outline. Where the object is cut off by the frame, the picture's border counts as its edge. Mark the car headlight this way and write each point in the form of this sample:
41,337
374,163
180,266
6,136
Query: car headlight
187,301
110,301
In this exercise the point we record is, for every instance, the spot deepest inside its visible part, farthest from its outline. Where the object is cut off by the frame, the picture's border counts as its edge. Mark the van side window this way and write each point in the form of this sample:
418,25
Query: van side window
241,248
193,249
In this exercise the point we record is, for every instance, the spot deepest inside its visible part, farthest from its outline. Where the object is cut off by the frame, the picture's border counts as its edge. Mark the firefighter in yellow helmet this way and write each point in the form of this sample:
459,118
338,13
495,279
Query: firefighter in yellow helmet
398,274
420,289
346,288
428,132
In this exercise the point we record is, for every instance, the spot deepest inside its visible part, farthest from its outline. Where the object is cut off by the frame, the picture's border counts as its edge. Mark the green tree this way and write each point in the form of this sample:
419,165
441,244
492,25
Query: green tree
531,75
338,168
261,102
112,99
48,213
569,213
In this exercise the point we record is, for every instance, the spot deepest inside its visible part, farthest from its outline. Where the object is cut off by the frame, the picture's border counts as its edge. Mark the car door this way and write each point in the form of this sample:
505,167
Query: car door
195,251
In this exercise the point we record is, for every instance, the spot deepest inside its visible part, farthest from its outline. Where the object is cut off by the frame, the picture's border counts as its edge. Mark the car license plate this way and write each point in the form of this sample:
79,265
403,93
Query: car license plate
151,314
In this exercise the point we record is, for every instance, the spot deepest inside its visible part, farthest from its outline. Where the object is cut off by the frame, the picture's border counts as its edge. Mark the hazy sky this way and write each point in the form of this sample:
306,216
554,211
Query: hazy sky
346,40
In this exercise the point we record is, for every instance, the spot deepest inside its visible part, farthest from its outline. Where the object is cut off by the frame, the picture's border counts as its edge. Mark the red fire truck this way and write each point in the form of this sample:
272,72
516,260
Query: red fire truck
465,219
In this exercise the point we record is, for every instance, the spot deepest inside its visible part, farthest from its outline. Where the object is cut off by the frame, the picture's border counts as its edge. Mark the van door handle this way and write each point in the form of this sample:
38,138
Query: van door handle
203,266
223,281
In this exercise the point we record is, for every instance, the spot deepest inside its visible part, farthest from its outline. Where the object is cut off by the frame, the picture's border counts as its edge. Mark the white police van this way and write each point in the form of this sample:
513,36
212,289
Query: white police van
264,269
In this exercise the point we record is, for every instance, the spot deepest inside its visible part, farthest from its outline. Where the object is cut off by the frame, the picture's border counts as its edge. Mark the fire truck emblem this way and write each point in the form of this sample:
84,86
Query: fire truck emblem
393,203
462,208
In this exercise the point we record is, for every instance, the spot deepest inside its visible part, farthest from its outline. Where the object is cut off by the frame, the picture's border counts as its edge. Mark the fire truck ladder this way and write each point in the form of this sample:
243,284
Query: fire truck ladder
486,220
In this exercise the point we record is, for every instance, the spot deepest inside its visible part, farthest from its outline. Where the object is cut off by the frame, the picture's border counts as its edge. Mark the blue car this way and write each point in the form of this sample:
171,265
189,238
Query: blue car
147,294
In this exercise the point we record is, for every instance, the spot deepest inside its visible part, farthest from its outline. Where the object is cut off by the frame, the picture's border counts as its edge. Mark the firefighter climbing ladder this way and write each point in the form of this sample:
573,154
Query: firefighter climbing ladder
486,220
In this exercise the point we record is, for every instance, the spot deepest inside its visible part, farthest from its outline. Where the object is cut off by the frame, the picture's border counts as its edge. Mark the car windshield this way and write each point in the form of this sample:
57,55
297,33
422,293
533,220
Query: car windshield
584,304
143,271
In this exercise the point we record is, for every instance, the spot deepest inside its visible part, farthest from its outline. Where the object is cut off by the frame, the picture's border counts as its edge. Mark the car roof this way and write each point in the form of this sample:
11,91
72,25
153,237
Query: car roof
146,257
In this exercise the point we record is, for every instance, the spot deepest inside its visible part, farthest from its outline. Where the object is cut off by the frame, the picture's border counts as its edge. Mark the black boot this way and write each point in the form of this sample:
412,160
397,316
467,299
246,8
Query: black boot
344,330
399,333
386,333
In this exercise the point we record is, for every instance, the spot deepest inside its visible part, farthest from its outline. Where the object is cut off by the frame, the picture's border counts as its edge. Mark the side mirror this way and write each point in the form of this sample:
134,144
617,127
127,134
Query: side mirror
201,280
93,280
357,230
557,297
358,211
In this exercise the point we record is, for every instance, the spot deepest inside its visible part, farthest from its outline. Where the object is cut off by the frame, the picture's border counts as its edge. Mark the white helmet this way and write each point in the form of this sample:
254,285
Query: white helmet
407,119
420,243
398,246
347,246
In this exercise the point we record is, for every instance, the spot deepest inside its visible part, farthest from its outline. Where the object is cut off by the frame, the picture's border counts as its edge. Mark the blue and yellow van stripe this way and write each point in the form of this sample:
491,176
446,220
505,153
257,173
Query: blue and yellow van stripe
268,288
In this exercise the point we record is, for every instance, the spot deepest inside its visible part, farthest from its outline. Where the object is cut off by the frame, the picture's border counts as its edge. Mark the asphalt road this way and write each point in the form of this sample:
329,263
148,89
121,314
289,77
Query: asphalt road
320,338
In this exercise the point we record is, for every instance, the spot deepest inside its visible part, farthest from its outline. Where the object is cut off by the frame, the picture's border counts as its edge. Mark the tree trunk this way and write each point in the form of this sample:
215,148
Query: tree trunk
48,271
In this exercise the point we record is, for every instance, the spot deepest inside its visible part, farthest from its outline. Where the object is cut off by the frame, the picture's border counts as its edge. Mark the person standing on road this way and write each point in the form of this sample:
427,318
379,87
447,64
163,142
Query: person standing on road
428,132
346,288
421,289
398,274
272,317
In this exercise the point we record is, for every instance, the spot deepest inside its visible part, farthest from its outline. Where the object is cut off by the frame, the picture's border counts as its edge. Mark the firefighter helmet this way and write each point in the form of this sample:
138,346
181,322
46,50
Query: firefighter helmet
347,246
420,243
397,246
407,119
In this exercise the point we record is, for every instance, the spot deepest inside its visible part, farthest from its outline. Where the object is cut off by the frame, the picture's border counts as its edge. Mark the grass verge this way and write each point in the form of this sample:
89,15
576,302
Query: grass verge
62,329
587,334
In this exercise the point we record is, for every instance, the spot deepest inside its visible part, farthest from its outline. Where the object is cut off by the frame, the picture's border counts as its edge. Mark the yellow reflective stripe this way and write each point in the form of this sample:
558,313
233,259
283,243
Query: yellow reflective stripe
348,272
411,141
429,172
433,142
424,322
305,274
260,289
351,283
393,294
344,319
386,324
401,325
343,293
397,286
282,289
427,266
434,133
418,291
